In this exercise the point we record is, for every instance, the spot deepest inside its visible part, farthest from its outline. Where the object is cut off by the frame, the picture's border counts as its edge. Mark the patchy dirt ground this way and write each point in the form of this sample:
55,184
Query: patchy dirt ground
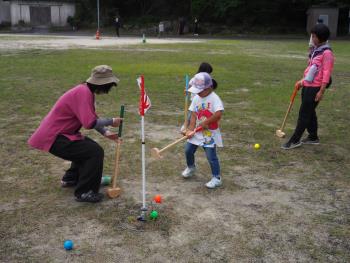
19,41
273,206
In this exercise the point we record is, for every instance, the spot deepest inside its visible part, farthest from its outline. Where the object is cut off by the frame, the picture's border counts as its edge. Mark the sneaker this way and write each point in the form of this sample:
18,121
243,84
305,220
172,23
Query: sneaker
90,197
308,140
68,183
188,172
291,145
213,183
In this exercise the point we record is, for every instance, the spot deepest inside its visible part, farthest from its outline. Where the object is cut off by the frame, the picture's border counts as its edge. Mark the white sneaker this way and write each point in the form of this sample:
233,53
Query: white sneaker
188,172
213,183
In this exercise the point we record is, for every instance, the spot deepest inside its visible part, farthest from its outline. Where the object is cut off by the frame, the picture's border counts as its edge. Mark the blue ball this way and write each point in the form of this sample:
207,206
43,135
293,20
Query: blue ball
68,245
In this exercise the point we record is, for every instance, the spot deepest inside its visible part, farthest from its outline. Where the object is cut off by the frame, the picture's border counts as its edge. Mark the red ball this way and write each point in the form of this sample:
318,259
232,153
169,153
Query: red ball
157,199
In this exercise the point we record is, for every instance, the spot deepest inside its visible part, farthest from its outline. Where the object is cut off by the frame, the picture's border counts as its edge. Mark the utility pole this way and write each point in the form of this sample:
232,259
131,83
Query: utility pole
98,20
98,15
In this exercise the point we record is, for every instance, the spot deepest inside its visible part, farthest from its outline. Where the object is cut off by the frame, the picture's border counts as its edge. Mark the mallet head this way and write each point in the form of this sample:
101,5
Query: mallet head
280,133
155,152
113,192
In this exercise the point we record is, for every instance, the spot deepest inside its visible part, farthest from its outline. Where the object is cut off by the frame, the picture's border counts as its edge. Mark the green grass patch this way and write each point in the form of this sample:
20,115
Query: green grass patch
272,205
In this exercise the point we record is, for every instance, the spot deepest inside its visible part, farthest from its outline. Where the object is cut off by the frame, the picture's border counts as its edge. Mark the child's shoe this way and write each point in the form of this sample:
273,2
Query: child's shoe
188,172
213,183
291,145
309,140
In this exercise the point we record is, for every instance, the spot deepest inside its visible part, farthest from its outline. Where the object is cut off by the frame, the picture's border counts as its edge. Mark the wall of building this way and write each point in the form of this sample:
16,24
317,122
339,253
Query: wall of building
5,15
59,11
332,14
19,12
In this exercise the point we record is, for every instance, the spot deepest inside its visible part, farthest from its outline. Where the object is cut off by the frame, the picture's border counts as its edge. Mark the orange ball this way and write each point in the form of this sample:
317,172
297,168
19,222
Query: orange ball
157,199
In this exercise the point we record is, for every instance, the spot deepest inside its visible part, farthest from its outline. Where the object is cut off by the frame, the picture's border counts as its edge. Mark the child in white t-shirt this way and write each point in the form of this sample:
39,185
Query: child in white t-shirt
203,67
206,111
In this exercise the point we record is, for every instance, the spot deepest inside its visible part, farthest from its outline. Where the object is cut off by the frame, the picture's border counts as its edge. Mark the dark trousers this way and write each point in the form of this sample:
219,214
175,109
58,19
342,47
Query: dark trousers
117,31
307,115
87,162
195,29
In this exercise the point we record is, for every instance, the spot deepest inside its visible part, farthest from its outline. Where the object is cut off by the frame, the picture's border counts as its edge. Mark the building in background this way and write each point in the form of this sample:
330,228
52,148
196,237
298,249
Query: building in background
36,13
5,14
328,15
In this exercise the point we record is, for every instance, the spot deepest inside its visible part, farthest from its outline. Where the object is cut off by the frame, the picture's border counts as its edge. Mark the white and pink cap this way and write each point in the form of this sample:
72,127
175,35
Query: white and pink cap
200,82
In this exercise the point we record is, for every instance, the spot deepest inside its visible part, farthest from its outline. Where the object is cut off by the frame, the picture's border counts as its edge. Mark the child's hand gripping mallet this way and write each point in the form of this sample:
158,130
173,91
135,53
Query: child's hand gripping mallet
186,103
115,191
280,133
156,152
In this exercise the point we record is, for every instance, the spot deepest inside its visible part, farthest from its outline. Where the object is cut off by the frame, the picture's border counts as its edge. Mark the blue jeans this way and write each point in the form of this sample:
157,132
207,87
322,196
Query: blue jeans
210,152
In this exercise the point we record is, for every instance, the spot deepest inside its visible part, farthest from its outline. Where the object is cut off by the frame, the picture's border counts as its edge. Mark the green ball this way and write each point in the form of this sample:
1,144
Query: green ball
153,214
106,180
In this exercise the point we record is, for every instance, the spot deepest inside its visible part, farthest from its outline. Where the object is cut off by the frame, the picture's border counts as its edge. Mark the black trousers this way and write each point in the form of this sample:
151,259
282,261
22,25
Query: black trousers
307,115
87,162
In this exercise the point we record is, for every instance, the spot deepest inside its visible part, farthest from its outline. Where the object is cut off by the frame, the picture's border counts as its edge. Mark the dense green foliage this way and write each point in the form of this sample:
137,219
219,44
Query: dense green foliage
242,13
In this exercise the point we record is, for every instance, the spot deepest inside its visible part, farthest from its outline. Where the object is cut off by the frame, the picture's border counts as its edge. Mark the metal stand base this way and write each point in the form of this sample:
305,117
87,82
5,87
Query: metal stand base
142,217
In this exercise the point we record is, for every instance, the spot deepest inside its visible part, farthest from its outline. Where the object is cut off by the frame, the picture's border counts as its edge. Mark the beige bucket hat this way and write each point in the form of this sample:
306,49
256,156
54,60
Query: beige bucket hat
101,75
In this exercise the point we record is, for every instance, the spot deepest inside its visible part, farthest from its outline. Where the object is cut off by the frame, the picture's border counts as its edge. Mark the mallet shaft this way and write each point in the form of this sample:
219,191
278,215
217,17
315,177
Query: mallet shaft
116,166
180,140
117,151
172,144
295,91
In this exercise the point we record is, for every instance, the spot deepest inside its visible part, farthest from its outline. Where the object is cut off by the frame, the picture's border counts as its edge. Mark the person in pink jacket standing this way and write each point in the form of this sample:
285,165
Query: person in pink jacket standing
59,134
317,77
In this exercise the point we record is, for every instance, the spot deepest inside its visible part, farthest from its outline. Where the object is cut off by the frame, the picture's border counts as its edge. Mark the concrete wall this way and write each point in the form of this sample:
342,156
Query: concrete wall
59,11
19,12
331,14
5,15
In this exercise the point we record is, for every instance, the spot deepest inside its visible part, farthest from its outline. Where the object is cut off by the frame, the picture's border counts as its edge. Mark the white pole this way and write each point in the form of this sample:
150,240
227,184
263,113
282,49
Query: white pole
143,164
98,14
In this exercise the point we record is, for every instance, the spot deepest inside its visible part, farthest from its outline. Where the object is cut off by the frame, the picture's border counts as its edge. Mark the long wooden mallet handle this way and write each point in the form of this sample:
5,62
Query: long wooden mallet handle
117,152
280,132
116,166
156,152
292,98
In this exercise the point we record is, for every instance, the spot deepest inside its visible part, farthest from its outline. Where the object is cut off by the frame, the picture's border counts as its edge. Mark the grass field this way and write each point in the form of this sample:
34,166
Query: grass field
274,206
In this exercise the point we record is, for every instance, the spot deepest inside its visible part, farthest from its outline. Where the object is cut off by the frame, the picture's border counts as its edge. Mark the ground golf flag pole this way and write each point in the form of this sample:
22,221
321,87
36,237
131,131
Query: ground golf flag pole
186,102
144,105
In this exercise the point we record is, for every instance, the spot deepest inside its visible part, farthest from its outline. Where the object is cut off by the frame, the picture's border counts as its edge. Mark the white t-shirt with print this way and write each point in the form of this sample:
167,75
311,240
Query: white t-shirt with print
204,108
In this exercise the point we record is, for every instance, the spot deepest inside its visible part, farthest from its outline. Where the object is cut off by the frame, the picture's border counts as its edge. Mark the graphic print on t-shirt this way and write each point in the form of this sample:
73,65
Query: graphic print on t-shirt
203,112
204,108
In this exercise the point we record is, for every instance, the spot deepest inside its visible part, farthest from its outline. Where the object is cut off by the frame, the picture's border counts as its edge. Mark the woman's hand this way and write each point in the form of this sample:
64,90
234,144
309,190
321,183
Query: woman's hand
117,121
111,135
319,95
299,84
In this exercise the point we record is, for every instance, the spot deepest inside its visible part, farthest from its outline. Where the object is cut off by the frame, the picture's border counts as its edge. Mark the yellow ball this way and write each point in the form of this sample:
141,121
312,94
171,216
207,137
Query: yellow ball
257,146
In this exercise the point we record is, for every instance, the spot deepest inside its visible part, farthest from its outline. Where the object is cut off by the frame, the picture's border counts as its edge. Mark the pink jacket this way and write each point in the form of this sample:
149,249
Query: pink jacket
322,65
74,109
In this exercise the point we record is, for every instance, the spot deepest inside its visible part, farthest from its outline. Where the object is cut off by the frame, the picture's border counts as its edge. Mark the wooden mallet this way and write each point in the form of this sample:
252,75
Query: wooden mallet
279,132
155,152
115,191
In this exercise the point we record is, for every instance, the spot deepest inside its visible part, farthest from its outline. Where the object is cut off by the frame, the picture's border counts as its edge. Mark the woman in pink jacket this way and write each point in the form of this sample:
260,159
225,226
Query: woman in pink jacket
317,77
59,134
